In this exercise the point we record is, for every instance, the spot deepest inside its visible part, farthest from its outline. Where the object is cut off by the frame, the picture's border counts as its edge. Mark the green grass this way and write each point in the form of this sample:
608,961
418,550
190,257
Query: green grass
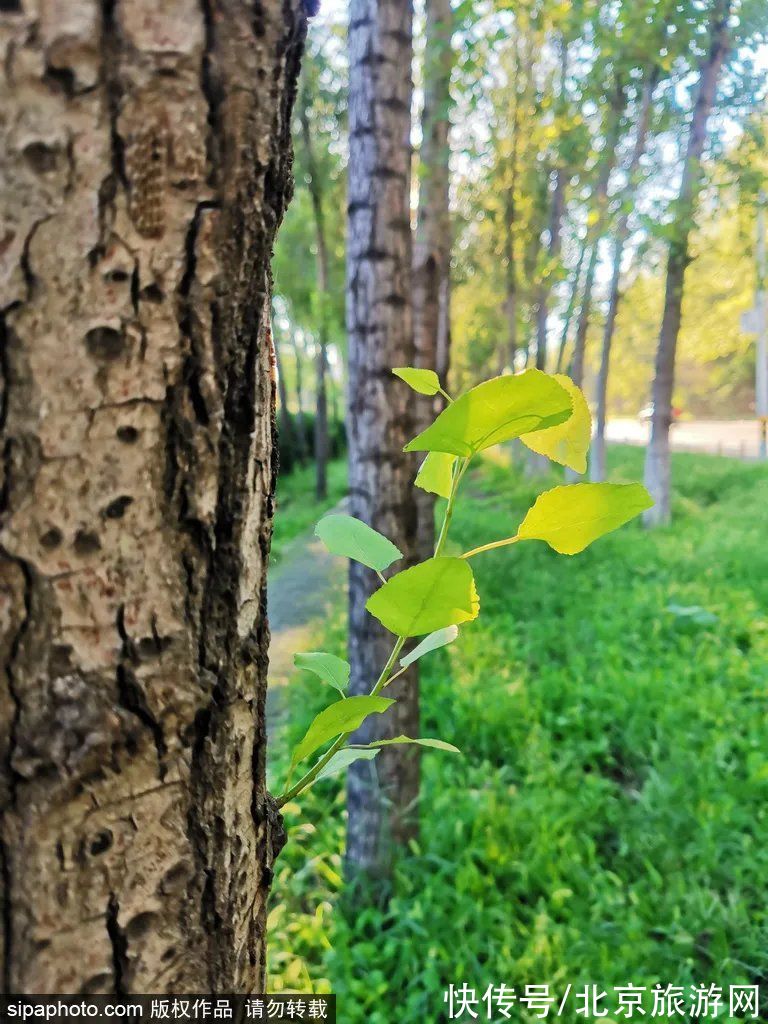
607,821
297,508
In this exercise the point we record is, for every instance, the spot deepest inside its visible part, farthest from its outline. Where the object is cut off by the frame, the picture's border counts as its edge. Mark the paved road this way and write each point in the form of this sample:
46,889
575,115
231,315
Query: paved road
719,437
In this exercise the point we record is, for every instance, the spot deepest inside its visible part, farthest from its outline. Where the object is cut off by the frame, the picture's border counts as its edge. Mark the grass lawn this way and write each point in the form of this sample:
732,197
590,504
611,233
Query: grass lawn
297,508
607,820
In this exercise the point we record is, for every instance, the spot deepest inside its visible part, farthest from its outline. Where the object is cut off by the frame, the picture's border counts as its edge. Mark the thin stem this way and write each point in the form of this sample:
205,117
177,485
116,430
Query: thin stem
489,547
459,469
445,395
307,779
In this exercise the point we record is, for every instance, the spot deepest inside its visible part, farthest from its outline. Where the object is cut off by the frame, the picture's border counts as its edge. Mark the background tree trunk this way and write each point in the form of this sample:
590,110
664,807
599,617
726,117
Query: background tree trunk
145,170
612,134
657,462
597,451
379,322
321,360
432,250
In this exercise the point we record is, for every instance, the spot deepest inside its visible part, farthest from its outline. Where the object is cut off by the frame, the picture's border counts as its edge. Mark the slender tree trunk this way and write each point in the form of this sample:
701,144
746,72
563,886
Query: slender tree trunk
601,209
597,451
286,434
145,170
557,209
302,437
657,462
432,249
321,361
575,288
380,328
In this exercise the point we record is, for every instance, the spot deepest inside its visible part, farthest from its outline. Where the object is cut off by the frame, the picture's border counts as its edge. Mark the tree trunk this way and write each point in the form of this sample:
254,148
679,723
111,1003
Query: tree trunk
597,451
571,305
321,360
601,209
145,170
286,436
302,445
657,462
380,329
432,250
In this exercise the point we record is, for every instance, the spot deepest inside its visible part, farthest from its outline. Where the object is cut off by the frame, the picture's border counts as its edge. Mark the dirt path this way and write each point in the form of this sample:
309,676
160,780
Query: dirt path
300,592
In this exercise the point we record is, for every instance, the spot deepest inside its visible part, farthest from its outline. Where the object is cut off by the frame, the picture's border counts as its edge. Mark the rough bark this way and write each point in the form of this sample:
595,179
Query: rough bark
145,167
380,329
432,249
657,461
321,360
597,451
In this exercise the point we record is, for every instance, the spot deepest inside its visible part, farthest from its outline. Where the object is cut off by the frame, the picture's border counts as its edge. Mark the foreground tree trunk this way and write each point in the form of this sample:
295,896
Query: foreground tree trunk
379,323
145,170
321,359
597,451
657,462
432,250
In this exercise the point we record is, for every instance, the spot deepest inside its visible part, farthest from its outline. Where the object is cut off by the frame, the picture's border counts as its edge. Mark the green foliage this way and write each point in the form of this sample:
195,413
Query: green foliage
570,518
342,759
434,744
432,595
566,443
425,382
495,411
329,668
438,594
344,535
605,821
343,716
433,642
436,473
296,507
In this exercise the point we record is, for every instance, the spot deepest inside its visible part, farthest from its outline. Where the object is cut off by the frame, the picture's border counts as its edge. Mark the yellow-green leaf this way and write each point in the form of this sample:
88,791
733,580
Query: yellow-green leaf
433,642
569,518
495,411
435,744
344,716
566,443
426,382
437,593
436,473
343,758
329,668
344,535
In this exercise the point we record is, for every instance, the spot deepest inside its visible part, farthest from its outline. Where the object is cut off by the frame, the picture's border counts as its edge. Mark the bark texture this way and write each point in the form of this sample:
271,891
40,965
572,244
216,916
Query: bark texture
657,462
597,450
145,168
432,249
381,799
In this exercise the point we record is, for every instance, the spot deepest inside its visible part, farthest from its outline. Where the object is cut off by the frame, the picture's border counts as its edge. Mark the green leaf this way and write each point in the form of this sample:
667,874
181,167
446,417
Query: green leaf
342,759
566,443
495,411
430,643
436,744
343,716
439,592
352,538
426,382
569,518
328,667
436,473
